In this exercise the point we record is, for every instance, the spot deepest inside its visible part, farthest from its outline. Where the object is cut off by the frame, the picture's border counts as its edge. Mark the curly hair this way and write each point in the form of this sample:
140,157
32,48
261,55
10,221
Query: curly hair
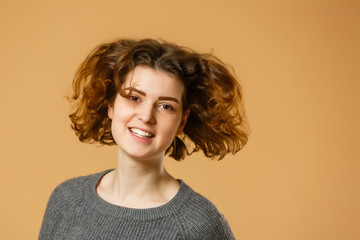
216,124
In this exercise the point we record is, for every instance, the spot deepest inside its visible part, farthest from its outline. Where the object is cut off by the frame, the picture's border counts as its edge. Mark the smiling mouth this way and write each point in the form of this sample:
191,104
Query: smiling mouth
141,133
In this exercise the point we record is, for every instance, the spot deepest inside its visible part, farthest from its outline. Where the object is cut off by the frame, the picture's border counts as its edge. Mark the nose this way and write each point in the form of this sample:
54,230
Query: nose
145,113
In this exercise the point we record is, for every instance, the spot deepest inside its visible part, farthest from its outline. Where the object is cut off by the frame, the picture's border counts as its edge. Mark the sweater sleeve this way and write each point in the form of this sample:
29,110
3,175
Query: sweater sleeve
214,227
54,213
201,220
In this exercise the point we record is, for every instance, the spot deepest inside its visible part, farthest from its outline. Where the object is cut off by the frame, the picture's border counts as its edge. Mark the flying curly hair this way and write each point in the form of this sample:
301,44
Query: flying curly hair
217,123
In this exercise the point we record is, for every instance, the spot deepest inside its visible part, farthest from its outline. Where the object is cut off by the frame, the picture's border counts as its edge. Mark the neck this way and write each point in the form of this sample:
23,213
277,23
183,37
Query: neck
137,174
139,183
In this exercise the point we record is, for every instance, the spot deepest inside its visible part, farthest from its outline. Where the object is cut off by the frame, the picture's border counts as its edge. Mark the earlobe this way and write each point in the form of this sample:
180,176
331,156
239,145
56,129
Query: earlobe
183,122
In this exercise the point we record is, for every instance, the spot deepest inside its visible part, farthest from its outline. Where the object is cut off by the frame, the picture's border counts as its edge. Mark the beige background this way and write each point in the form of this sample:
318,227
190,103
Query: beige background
298,62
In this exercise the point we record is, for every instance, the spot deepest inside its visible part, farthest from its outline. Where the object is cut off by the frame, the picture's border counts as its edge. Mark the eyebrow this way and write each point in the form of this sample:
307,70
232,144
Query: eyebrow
144,94
169,98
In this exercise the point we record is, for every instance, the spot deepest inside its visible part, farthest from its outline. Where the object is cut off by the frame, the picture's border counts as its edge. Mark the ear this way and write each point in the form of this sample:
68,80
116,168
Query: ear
111,107
111,111
183,122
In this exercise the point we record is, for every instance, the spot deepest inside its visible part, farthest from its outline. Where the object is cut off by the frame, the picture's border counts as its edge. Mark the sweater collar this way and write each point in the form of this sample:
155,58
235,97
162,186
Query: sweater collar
100,205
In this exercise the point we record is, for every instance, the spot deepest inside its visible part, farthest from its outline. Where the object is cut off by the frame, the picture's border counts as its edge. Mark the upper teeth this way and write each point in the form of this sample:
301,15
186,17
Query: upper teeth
140,132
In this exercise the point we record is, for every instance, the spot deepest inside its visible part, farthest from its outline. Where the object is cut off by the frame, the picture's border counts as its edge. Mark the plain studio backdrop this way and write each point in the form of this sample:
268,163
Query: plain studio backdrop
298,63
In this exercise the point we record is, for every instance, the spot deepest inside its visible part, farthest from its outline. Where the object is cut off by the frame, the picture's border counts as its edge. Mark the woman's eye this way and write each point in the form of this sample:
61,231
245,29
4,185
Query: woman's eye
167,107
134,98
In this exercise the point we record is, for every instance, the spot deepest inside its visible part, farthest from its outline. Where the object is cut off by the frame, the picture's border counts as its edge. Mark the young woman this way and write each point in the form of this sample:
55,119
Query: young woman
150,98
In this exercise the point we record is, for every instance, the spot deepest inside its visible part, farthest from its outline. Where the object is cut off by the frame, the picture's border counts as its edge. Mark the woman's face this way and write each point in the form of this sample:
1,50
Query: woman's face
145,122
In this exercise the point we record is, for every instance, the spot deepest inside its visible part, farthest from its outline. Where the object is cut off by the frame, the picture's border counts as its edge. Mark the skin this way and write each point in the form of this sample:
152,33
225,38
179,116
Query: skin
144,124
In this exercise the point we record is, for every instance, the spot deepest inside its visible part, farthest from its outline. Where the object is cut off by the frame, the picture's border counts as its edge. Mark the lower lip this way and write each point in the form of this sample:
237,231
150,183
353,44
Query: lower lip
140,139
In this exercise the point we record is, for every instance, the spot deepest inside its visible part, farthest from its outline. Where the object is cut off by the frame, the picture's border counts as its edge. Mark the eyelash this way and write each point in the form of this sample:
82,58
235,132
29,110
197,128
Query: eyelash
167,107
134,98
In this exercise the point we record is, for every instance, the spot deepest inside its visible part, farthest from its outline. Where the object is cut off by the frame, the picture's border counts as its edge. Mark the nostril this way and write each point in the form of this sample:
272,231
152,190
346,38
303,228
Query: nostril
147,118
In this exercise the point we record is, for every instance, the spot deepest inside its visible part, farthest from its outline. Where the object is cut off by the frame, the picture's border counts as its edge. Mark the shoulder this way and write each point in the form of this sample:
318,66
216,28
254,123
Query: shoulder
71,191
71,186
63,200
200,219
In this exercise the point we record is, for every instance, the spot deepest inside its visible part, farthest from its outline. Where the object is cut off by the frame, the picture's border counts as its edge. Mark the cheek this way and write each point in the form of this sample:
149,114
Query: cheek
171,125
120,118
122,111
118,127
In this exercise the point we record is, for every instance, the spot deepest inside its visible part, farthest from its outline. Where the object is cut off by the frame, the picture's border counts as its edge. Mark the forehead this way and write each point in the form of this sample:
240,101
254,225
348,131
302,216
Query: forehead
154,82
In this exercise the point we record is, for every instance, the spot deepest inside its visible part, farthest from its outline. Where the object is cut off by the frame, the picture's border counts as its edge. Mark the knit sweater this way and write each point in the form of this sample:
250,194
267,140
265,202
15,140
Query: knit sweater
75,211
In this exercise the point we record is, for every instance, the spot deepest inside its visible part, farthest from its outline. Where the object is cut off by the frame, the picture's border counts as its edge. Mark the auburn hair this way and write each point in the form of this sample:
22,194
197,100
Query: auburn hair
216,124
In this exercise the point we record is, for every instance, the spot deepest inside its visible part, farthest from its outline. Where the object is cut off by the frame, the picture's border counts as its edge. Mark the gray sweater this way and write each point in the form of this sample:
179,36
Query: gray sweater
75,211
